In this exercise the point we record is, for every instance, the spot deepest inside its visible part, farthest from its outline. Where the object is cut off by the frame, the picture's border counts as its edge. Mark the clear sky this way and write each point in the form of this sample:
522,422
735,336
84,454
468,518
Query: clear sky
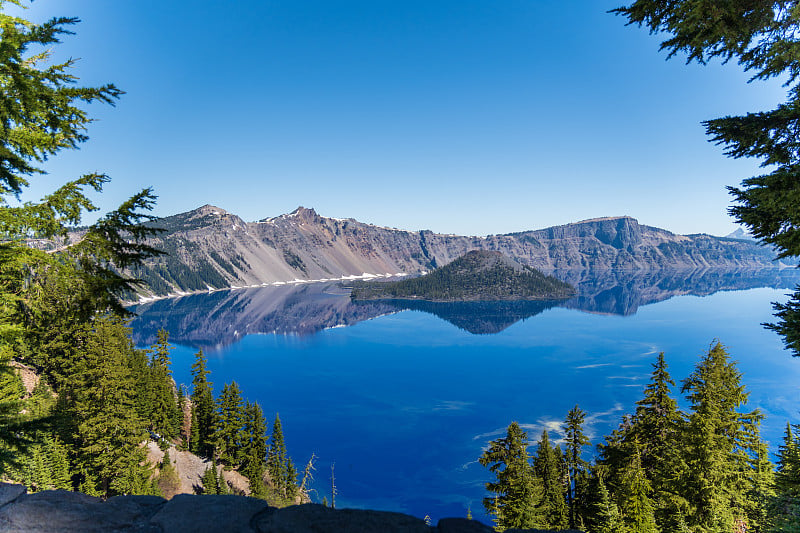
459,116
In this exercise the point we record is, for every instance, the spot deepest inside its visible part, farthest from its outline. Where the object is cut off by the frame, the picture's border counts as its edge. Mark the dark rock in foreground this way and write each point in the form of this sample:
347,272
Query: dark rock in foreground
60,511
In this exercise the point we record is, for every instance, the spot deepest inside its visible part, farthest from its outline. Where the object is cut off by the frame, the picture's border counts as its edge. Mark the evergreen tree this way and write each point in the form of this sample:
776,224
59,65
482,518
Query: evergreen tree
48,297
203,412
759,472
142,383
638,512
107,431
230,437
210,480
180,421
517,491
654,435
605,514
165,412
255,451
716,444
547,465
784,507
575,440
762,38
279,465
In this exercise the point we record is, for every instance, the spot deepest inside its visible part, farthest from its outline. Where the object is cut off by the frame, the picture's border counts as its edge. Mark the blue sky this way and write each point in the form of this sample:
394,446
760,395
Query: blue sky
469,117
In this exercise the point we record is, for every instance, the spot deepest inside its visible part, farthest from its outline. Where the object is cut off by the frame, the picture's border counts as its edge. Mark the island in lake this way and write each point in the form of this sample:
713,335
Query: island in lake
479,275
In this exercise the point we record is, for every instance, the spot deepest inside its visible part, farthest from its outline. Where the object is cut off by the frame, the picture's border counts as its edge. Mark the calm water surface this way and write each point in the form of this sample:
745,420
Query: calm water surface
403,403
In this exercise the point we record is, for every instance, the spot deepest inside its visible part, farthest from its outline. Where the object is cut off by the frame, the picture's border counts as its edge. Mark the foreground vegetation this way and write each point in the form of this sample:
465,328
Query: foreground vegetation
99,398
663,469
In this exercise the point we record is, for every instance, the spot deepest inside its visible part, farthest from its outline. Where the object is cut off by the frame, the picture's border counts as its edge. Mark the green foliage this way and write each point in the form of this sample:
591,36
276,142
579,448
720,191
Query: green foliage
576,467
703,471
53,291
637,509
784,506
763,38
478,275
715,439
106,430
549,468
212,480
165,414
204,418
517,491
254,451
230,436
605,514
279,465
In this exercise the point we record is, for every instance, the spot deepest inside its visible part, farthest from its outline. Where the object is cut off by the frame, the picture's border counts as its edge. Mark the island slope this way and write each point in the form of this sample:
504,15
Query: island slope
479,275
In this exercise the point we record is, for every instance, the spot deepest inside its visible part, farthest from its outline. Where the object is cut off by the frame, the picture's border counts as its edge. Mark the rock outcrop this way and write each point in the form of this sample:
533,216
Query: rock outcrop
209,248
72,512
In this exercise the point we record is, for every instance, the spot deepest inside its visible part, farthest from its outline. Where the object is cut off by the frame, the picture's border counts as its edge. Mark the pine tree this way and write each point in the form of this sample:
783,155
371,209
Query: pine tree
575,440
517,491
759,473
230,437
784,506
107,430
210,480
637,510
654,435
203,412
165,411
716,444
180,421
605,514
547,465
255,451
142,383
762,38
279,465
58,463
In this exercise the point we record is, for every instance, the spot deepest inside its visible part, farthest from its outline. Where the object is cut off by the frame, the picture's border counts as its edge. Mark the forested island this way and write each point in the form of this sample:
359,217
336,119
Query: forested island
479,275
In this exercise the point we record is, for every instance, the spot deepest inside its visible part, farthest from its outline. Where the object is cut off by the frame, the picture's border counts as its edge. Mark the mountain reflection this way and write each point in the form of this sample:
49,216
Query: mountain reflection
211,321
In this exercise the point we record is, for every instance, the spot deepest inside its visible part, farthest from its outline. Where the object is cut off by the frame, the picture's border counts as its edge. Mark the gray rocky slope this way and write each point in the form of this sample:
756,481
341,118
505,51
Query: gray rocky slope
208,248
61,511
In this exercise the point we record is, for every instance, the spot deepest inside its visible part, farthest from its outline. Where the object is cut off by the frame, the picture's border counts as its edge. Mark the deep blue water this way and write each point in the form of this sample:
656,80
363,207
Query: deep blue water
404,403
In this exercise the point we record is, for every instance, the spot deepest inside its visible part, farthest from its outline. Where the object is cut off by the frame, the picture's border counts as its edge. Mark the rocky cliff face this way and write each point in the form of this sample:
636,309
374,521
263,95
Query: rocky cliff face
208,248
61,511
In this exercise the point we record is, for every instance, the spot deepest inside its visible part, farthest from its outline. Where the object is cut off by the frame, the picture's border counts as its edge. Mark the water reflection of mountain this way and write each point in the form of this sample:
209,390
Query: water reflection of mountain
223,317
478,317
622,292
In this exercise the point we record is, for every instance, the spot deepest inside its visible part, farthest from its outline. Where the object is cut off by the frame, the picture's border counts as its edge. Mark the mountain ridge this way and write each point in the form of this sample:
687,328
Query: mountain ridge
209,248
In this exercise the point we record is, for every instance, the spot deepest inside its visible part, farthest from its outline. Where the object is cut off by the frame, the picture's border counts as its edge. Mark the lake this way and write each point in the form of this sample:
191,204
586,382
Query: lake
403,396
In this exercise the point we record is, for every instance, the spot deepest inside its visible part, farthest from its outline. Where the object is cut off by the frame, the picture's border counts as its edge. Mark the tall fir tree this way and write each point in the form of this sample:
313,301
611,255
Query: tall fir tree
637,509
761,36
516,490
548,467
279,465
716,447
203,412
107,430
165,412
783,509
230,437
654,435
604,517
575,440
255,451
